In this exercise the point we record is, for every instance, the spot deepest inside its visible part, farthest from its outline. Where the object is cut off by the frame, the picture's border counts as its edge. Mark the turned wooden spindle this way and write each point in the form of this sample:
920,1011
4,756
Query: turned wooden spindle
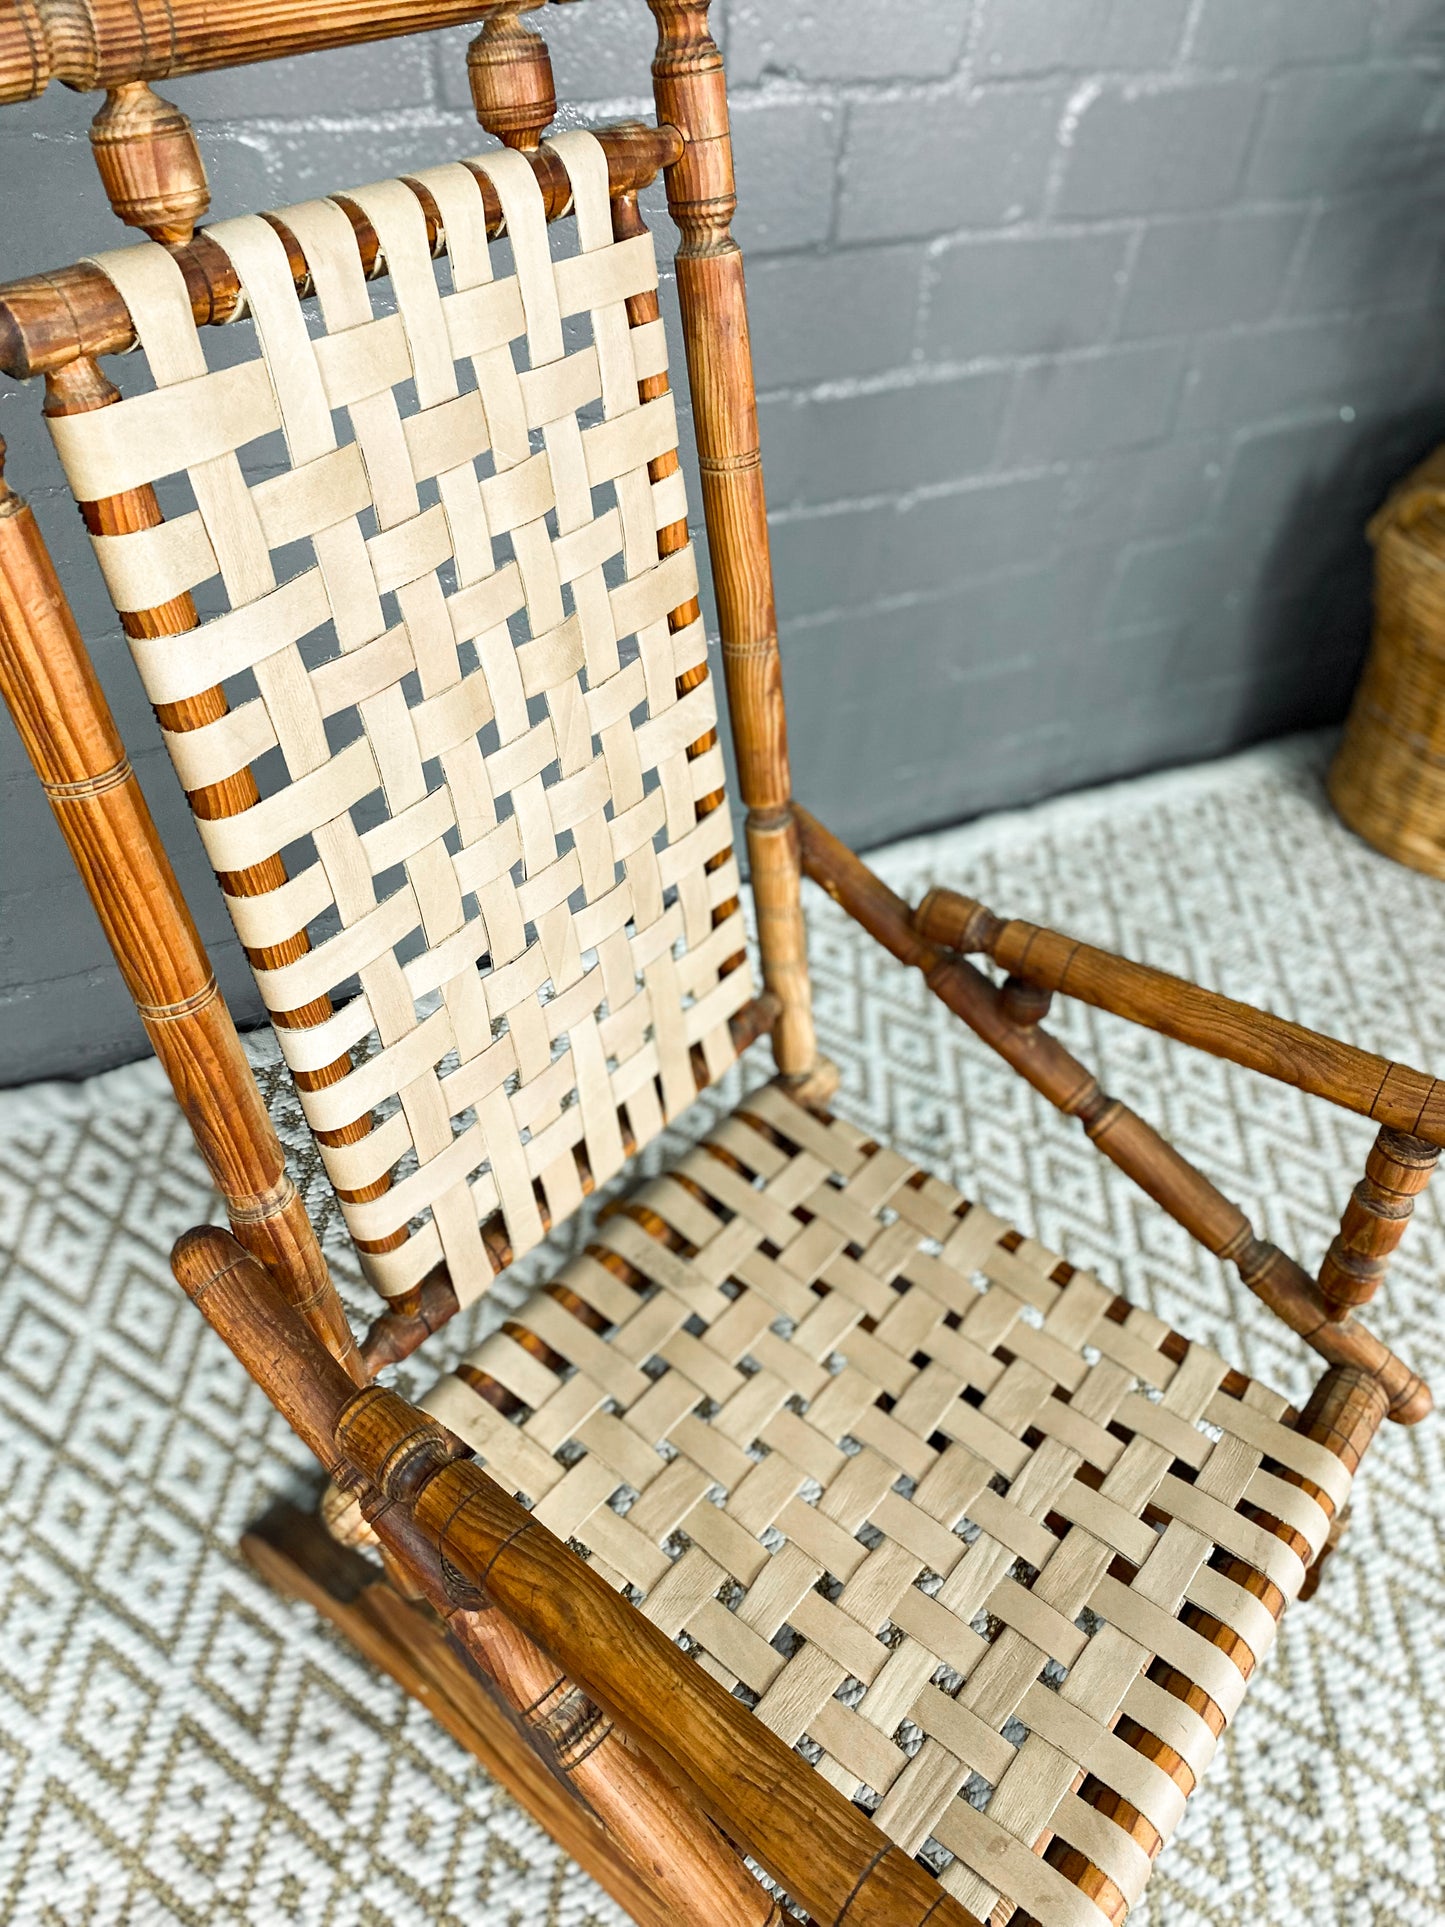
146,152
692,1872
1344,1412
49,683
1168,1177
1024,1003
1392,1094
1396,1172
79,388
510,71
691,95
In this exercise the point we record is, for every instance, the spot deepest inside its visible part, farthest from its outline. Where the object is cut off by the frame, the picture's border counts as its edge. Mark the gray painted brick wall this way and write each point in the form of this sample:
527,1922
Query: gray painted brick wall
1087,334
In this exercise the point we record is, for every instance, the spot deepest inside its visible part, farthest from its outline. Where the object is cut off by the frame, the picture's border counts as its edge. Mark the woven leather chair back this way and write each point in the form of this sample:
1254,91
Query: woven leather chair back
485,873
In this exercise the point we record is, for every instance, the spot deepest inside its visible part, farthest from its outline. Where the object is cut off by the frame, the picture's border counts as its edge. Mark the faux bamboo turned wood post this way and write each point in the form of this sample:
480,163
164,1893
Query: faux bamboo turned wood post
97,43
1275,1279
70,736
698,1879
691,95
80,388
151,167
1392,1094
1344,1412
1396,1172
827,1854
642,311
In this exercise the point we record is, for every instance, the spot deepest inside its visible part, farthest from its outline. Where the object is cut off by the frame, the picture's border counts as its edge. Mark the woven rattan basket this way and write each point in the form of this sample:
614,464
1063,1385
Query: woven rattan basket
1388,780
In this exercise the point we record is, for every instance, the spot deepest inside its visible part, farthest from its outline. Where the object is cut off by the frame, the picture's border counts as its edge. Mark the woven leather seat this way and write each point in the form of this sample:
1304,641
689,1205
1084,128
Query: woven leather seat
993,1547
411,588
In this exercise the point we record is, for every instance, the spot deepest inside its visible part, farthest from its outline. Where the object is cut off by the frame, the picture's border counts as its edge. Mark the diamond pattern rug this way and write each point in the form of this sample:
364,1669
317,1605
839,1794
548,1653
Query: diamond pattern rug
178,1745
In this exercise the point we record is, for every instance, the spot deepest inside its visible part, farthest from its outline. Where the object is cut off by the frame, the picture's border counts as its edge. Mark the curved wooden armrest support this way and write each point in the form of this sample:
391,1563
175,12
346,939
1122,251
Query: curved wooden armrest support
50,320
818,1845
827,1853
1275,1278
689,1874
1392,1094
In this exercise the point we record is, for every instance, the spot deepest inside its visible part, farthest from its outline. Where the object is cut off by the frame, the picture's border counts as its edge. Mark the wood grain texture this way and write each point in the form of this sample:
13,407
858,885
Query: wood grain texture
97,43
1406,1100
65,724
1343,1413
690,90
1271,1275
821,1848
149,163
292,1551
1380,1207
510,73
80,388
695,1877
48,320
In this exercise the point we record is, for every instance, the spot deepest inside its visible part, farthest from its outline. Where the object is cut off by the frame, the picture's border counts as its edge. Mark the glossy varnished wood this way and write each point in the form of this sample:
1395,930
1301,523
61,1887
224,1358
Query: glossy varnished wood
652,1819
1406,1100
629,1753
149,163
70,736
50,319
293,1552
1274,1278
1375,1218
691,94
702,1740
97,43
826,1853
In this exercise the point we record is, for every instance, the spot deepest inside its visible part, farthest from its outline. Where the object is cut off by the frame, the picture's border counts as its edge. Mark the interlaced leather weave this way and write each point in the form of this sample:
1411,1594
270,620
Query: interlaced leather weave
465,703
981,1538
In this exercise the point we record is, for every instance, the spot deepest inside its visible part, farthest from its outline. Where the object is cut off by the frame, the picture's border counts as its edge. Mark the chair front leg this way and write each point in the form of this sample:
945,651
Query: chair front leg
1344,1412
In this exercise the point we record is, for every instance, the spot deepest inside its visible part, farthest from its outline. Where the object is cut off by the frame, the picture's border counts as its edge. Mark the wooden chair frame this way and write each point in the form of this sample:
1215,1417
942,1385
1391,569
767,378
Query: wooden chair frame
490,1620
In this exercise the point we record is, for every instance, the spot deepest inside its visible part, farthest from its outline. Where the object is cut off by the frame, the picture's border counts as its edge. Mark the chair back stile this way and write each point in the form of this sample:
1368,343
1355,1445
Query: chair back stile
845,1501
539,945
690,89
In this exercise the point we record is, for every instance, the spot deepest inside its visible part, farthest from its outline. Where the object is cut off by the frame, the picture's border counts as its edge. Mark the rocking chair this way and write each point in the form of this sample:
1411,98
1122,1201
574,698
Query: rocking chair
811,1514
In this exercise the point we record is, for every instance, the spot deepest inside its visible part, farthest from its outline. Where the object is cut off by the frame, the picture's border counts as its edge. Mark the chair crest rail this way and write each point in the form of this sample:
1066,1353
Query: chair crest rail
86,44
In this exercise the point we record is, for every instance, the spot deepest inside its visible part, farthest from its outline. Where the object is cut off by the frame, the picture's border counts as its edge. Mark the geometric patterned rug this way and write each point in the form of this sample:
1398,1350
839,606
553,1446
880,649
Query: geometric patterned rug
179,1745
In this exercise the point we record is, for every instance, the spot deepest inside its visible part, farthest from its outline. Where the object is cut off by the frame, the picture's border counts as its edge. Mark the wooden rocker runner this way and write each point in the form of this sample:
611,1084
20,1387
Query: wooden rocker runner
811,1514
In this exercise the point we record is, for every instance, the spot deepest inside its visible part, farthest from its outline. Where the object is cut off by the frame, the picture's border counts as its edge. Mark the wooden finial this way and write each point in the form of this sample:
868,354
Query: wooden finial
510,71
148,159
